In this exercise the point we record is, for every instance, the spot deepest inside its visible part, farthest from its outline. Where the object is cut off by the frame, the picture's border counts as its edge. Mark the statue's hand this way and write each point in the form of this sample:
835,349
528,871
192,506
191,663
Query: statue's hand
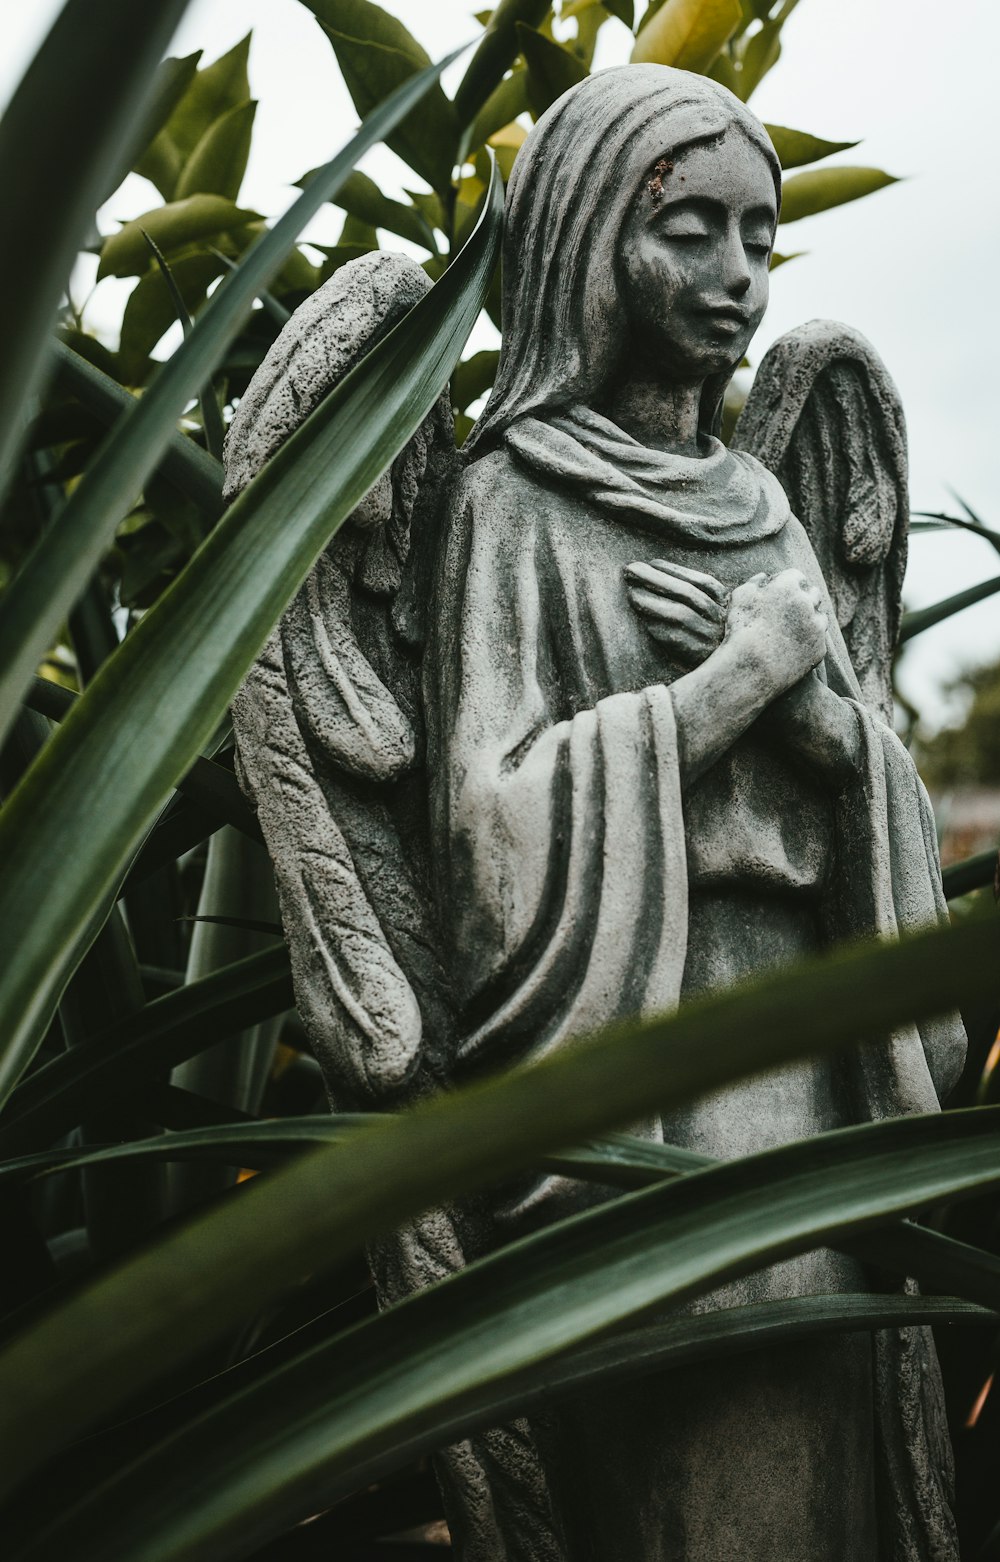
682,608
778,624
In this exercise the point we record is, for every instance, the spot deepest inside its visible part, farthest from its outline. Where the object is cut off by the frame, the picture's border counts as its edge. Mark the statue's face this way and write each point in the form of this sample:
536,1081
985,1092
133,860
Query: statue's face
694,259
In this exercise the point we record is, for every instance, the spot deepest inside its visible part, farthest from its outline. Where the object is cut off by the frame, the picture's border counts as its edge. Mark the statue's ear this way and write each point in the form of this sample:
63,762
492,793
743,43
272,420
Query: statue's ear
826,418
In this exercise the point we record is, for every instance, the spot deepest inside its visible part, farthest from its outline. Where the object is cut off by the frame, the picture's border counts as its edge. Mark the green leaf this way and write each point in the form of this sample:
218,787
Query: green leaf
72,1367
150,310
176,672
926,617
819,189
35,604
362,199
503,105
210,95
170,84
552,70
219,161
974,873
759,54
473,377
196,219
376,54
165,1033
495,54
184,464
795,147
62,133
687,34
472,1346
782,260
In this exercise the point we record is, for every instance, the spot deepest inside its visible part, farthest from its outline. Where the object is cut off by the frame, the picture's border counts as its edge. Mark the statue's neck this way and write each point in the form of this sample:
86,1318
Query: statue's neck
664,417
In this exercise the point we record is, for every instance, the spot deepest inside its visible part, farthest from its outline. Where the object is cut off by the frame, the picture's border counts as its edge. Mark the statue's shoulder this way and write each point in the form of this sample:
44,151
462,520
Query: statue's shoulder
495,485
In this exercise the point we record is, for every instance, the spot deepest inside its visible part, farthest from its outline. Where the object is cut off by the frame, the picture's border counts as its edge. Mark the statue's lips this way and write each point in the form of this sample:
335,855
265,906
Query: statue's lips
726,315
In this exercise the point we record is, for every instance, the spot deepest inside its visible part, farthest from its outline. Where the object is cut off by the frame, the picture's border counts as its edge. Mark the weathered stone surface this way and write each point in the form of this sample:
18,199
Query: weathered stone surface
586,725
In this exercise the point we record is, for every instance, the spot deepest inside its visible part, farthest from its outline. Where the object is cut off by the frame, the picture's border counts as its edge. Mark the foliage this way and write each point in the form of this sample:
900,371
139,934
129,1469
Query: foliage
967,754
129,1041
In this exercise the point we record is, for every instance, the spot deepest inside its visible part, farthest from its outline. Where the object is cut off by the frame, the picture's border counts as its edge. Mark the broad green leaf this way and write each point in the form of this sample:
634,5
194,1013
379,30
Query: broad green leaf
150,311
495,54
781,260
552,70
73,1367
219,161
473,377
503,105
926,617
819,189
170,84
196,219
216,89
687,33
362,199
35,604
62,134
472,1346
795,147
758,54
506,144
376,54
176,672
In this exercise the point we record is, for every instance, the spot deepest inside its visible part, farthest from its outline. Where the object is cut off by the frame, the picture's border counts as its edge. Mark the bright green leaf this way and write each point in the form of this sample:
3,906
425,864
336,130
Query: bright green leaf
150,310
551,69
503,105
495,54
173,79
795,147
759,53
819,189
219,161
197,219
376,54
687,33
362,199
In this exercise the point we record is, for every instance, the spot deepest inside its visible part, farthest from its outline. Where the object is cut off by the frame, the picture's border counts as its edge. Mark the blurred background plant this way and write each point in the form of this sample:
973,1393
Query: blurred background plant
148,998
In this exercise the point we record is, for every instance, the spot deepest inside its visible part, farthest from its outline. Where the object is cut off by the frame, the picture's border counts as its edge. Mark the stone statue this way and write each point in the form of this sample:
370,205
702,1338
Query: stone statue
587,719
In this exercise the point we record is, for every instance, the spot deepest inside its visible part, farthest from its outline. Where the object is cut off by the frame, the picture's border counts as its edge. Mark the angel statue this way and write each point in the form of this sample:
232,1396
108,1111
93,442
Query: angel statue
587,719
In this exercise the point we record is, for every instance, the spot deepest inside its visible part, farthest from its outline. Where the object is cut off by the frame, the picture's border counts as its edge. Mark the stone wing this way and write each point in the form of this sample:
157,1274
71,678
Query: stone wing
826,418
329,725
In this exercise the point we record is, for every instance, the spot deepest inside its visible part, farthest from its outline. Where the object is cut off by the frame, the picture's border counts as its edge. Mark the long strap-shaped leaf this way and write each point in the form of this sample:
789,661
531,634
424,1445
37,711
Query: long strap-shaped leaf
926,617
189,468
83,1359
68,830
55,573
60,142
468,1348
938,1262
167,1032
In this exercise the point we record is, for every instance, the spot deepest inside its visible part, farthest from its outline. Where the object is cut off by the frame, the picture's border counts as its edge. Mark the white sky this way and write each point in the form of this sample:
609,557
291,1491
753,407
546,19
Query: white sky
912,267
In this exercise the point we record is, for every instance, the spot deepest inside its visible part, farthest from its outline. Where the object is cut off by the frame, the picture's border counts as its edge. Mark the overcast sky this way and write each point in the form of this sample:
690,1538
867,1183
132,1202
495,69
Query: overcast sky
912,267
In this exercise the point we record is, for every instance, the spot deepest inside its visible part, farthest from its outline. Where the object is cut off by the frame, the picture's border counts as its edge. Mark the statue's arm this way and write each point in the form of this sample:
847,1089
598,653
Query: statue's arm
775,635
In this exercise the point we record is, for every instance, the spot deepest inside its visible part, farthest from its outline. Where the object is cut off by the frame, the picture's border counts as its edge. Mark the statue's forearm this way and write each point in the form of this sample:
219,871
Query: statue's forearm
716,703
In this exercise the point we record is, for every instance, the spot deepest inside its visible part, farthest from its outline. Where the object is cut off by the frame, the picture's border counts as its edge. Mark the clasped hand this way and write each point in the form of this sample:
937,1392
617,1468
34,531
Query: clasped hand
775,622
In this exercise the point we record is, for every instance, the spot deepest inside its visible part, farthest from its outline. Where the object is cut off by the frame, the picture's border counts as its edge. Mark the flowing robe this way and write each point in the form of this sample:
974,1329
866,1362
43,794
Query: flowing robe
572,862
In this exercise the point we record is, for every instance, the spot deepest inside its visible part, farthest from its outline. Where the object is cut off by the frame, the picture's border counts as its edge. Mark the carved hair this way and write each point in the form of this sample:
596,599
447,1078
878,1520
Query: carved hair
572,184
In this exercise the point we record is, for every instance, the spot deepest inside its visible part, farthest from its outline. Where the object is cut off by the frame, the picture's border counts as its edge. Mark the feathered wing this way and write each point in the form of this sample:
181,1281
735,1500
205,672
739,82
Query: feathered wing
824,416
328,723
